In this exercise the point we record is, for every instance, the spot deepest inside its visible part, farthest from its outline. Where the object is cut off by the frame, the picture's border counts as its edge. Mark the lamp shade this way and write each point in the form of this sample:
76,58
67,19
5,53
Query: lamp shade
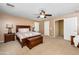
9,25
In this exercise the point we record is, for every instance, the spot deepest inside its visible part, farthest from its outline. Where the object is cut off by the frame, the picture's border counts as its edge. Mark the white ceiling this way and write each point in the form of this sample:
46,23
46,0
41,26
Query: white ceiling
30,9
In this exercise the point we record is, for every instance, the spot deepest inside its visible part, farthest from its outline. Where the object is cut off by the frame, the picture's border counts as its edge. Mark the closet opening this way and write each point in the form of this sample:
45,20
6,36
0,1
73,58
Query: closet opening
59,28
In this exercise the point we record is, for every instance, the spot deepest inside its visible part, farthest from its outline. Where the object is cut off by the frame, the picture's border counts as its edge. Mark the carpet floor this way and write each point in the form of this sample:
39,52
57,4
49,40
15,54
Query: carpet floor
50,46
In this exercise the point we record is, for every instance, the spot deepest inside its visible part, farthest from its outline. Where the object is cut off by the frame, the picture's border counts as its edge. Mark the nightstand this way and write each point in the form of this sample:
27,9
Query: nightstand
72,37
9,37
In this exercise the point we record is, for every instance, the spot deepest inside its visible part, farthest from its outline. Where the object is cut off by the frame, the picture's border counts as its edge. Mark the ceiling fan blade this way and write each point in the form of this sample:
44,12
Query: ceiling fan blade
48,14
38,17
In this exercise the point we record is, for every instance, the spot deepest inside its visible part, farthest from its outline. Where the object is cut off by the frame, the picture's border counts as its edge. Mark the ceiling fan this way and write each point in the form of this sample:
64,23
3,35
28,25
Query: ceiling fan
43,14
11,5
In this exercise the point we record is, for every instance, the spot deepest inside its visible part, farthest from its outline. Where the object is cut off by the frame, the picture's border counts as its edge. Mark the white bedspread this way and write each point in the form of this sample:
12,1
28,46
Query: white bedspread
23,35
76,40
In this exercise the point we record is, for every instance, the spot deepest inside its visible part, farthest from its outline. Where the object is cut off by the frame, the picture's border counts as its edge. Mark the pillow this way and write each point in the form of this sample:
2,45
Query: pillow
23,30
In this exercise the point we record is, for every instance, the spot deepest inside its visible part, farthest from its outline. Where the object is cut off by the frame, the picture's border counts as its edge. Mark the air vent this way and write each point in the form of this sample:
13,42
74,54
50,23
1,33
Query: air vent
8,4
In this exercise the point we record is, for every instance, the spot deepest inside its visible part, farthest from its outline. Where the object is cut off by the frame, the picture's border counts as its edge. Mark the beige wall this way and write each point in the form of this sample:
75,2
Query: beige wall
41,27
78,25
56,28
52,27
8,19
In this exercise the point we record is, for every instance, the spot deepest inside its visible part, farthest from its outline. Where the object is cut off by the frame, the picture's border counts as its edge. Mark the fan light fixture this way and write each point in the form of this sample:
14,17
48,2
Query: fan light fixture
42,16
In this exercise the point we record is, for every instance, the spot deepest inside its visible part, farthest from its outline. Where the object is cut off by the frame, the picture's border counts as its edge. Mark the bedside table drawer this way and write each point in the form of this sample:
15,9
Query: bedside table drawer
9,37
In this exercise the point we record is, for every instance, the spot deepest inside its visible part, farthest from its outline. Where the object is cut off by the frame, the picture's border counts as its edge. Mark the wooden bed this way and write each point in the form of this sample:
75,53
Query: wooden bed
30,42
72,41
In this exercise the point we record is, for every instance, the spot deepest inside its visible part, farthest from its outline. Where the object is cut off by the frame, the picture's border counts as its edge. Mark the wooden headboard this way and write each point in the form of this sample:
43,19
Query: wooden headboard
22,26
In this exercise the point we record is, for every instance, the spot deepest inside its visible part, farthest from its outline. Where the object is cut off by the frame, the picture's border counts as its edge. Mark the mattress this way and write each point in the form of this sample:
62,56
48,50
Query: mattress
22,35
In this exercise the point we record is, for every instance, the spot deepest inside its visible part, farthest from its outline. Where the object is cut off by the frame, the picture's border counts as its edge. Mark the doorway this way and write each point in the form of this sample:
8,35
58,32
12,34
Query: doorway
36,25
46,28
59,28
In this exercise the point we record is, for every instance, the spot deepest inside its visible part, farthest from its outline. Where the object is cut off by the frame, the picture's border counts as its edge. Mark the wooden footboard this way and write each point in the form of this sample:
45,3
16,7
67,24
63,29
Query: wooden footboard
31,41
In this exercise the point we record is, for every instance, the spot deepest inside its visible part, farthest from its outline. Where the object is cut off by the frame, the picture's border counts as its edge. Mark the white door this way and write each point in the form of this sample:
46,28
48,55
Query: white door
46,27
36,25
70,27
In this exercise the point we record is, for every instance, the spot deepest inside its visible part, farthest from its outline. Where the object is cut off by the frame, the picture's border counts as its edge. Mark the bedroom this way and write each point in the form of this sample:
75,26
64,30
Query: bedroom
14,14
